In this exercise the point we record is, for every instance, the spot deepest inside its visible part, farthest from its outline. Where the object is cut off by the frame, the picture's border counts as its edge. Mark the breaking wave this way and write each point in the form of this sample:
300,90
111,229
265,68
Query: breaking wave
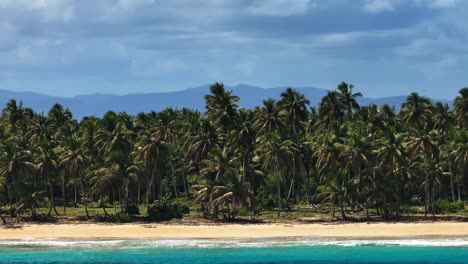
234,243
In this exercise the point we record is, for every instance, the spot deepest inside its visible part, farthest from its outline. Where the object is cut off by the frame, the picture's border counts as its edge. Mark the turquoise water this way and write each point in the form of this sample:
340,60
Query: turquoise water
293,250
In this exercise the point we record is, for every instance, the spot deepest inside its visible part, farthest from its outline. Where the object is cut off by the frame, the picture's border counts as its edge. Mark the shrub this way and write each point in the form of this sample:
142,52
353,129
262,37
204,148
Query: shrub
115,218
164,212
445,206
132,209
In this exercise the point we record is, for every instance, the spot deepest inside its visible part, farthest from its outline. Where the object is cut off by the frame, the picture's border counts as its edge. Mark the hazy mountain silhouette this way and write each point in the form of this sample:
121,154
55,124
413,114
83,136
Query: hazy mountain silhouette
98,104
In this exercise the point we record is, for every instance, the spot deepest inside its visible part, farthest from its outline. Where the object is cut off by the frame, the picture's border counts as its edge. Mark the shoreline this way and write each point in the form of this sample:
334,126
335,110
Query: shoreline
233,231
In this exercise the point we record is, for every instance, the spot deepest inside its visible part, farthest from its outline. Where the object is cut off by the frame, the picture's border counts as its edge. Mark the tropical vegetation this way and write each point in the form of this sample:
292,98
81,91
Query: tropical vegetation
230,161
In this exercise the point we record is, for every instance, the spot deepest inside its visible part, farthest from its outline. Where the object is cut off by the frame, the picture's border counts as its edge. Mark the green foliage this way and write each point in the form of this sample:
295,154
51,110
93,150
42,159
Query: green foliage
133,209
114,218
228,160
445,206
165,211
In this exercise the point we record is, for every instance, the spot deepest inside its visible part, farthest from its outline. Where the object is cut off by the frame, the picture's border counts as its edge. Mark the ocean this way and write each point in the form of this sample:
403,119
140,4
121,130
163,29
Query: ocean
274,250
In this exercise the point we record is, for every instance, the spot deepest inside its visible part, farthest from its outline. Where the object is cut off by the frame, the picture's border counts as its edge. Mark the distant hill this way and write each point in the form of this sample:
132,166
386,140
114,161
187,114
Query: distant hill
98,104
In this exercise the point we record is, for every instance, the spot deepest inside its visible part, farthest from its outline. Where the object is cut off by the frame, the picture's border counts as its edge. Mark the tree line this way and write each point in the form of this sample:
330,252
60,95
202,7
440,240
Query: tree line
229,159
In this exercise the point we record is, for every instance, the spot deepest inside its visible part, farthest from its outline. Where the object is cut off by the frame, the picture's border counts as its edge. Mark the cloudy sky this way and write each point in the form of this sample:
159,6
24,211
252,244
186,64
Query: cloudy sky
384,47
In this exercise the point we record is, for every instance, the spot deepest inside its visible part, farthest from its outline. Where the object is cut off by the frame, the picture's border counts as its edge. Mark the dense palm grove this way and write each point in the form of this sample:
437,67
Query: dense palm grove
230,160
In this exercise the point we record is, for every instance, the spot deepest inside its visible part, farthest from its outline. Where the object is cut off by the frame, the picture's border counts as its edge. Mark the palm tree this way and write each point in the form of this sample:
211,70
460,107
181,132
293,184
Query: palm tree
201,141
46,165
275,155
15,166
354,154
153,151
334,190
459,155
75,160
243,139
293,110
443,118
348,98
391,156
267,118
221,108
461,107
119,174
331,109
416,111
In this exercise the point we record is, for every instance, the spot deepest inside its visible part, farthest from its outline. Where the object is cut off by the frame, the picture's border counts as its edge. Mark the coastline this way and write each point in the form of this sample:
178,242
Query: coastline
238,231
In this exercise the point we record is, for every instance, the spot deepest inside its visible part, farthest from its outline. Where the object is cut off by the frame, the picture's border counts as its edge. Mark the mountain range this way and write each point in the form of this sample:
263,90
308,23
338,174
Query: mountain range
98,104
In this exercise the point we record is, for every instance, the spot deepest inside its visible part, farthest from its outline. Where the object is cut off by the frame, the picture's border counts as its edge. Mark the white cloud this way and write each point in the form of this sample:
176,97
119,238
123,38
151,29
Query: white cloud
442,3
377,6
279,7
49,10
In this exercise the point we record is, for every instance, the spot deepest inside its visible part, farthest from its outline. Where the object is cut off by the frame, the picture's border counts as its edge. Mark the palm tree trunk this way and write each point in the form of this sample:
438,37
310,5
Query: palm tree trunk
64,195
52,201
85,204
150,184
451,187
138,194
103,206
343,213
278,189
243,166
119,196
458,187
174,184
75,188
184,182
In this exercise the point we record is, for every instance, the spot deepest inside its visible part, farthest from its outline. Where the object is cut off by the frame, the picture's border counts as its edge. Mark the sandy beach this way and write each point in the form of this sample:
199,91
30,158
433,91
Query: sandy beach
135,231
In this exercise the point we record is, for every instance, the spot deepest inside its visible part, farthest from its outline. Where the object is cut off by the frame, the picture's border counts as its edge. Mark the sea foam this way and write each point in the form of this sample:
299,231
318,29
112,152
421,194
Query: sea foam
234,243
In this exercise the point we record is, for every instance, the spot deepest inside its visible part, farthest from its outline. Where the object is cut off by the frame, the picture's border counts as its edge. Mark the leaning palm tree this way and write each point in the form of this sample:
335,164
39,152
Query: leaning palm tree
275,155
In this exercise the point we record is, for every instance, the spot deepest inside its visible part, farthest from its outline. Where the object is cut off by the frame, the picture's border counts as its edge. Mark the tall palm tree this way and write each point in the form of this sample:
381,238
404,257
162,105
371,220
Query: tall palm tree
416,111
275,155
348,98
75,160
293,109
459,155
443,118
355,155
243,139
153,151
461,107
331,109
267,118
221,107
391,156
46,165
